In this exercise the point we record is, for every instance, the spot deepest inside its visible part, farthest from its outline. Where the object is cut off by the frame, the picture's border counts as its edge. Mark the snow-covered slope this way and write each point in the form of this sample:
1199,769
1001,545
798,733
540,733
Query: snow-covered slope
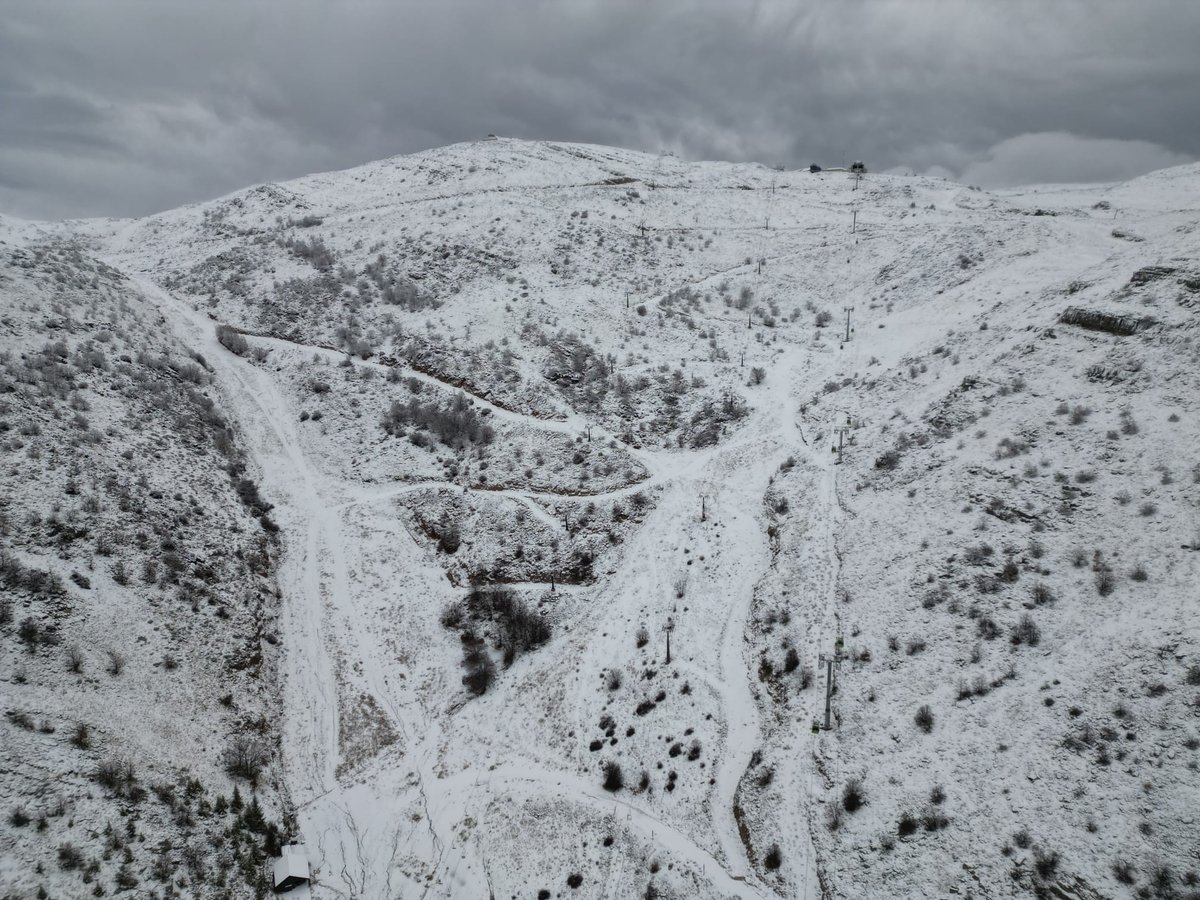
529,411
138,601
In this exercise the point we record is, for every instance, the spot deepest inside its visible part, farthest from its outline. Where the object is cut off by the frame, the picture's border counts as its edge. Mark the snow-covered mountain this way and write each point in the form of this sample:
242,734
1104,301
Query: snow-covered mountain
389,488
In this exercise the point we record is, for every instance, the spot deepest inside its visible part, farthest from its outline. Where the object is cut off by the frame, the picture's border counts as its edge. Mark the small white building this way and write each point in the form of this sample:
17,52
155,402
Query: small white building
291,868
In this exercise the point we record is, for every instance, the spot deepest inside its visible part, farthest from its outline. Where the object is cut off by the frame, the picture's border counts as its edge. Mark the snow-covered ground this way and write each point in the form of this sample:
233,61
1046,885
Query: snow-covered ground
658,350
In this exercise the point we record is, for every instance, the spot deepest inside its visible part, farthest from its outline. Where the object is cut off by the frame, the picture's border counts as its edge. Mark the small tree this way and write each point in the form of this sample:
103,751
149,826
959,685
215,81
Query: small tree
924,718
245,757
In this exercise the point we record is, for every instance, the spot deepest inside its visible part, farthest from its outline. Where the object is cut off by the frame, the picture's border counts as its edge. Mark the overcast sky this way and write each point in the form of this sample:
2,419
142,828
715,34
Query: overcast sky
125,107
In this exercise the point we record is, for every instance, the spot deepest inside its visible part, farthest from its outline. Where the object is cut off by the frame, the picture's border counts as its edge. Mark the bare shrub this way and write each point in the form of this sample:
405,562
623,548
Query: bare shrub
116,663
74,659
853,795
1041,595
924,718
245,757
455,426
232,340
1124,871
480,670
1026,632
117,774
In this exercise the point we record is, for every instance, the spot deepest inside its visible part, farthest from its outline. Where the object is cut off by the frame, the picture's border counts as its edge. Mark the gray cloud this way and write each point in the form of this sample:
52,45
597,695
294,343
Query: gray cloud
1052,157
126,106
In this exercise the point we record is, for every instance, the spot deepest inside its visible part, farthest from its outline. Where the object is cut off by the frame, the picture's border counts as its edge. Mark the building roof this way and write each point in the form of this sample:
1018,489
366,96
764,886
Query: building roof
292,863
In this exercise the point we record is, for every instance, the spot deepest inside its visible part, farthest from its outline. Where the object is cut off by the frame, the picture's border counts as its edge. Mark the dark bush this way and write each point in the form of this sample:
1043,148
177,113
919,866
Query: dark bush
518,626
924,719
1045,863
1026,632
614,779
853,797
455,426
118,775
934,820
232,340
1041,594
907,825
1124,871
888,461
791,660
987,628
480,670
69,856
247,492
773,858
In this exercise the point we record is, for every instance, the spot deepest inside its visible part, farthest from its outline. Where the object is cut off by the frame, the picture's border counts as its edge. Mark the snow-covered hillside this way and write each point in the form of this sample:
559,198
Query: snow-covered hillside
527,412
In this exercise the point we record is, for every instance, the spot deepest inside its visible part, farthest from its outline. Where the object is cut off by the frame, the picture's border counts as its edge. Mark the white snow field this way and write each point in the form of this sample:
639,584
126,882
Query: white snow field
528,411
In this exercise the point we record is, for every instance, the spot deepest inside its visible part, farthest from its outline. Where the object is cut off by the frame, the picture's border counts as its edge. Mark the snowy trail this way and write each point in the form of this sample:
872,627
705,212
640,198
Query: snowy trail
333,648
324,628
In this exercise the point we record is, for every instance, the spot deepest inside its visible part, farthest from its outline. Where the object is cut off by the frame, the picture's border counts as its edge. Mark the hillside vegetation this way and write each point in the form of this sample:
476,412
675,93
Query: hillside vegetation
518,493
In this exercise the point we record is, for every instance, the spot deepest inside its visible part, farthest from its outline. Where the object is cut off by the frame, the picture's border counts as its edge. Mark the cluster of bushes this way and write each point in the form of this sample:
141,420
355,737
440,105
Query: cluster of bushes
518,628
704,428
393,287
232,340
455,426
314,251
14,576
500,614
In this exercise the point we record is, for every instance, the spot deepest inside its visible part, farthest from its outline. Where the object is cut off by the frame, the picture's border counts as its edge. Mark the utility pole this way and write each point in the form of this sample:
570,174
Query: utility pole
589,433
750,319
703,509
848,309
854,221
841,431
742,361
627,299
829,661
668,628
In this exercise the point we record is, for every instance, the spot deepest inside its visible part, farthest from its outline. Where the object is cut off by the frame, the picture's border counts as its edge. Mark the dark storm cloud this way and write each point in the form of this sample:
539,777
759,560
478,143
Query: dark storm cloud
126,106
